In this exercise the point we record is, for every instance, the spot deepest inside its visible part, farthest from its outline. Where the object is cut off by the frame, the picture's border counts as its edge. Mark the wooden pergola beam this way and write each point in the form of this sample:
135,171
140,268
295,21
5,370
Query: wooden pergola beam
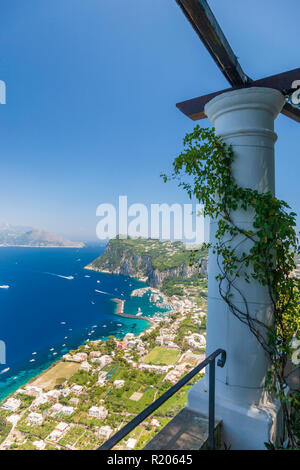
208,29
194,108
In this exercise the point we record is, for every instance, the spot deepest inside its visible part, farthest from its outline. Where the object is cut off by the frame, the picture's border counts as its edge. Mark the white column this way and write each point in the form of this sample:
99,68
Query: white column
245,119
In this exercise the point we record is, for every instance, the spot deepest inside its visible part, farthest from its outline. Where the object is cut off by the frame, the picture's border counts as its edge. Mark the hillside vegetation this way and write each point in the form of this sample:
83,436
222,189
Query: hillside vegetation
151,259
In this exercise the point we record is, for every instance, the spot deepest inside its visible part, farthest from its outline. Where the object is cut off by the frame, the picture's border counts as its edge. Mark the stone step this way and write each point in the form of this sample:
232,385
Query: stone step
188,430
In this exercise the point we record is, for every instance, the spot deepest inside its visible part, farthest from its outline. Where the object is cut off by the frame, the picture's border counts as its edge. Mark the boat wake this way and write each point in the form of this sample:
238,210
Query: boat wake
102,292
60,275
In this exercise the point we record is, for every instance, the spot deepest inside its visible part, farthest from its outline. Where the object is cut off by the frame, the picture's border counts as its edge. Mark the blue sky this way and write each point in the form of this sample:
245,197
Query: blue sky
91,93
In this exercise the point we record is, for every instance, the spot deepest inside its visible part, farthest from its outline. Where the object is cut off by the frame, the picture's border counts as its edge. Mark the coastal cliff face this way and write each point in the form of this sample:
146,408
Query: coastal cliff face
152,260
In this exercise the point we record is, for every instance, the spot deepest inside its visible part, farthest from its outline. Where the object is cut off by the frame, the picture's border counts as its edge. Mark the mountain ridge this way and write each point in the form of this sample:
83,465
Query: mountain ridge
34,238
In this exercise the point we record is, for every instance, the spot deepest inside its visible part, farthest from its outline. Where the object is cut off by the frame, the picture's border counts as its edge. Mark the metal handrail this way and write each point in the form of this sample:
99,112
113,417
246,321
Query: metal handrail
210,360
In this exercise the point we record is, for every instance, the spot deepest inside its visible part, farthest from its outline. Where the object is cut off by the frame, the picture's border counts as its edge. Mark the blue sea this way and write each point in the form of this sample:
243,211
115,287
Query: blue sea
52,306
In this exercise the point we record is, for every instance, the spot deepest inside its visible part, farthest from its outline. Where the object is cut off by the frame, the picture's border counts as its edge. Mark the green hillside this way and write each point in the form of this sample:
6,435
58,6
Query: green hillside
150,258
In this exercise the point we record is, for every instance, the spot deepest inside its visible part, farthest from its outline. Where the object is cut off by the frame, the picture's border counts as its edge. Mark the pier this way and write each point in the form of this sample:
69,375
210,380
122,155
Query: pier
120,311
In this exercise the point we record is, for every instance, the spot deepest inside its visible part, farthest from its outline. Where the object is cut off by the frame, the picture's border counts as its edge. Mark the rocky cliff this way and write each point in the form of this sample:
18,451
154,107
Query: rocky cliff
151,260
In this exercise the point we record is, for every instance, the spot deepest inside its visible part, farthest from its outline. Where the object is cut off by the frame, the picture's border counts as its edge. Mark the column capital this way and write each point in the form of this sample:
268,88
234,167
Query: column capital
246,108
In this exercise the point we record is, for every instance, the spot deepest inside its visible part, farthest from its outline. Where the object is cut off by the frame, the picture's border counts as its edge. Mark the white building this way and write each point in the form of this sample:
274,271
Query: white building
40,445
98,412
95,354
130,444
104,432
41,400
129,336
154,422
33,390
13,419
77,389
119,383
12,404
55,435
79,357
85,366
56,408
54,394
154,368
35,418
67,410
62,426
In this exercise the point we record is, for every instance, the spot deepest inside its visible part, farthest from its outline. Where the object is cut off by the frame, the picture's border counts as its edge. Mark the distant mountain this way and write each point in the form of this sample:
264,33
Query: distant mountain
16,236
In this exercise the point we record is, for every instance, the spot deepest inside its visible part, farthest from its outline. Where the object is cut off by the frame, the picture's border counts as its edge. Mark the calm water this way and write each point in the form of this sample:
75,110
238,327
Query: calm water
45,313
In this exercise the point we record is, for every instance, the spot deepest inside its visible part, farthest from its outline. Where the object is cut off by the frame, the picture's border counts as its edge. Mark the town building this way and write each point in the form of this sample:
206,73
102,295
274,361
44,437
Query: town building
130,445
98,412
67,410
85,366
35,418
11,404
104,432
119,383
40,445
77,389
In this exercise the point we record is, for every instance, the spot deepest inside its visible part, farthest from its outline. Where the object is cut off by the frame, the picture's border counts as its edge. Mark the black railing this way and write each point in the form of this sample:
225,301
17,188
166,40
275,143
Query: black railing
209,361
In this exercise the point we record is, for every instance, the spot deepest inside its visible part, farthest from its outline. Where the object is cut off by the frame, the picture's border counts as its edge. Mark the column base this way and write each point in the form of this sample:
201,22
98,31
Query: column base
245,427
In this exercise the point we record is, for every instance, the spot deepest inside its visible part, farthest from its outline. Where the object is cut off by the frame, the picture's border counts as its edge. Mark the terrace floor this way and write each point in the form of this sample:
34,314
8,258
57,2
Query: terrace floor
188,430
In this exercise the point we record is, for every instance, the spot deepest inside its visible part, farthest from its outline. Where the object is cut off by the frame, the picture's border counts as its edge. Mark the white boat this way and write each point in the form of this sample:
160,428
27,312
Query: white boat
54,354
104,326
34,353
63,345
51,349
62,322
32,360
4,370
4,287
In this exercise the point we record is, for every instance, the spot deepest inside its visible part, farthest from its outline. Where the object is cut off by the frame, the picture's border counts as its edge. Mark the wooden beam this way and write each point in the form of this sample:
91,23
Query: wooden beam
208,29
194,108
291,112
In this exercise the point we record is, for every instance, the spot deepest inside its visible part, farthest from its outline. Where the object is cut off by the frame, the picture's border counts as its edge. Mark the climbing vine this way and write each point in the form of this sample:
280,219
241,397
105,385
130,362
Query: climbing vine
262,252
